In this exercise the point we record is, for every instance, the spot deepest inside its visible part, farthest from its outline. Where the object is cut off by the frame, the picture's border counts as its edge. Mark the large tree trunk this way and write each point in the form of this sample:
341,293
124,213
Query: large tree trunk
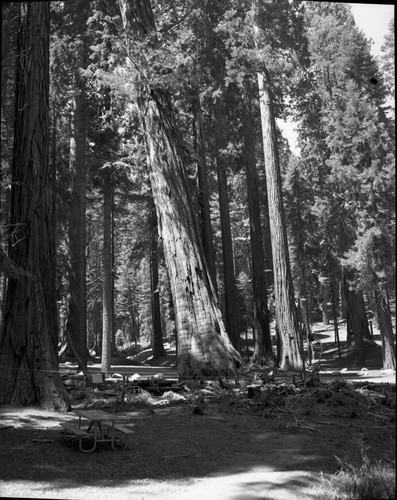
107,312
203,198
203,344
9,54
286,315
157,335
28,345
227,244
77,320
386,330
263,354
357,320
324,296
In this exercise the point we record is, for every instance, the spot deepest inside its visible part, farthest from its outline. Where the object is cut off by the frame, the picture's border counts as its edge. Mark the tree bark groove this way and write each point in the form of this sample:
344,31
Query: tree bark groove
204,347
28,345
286,315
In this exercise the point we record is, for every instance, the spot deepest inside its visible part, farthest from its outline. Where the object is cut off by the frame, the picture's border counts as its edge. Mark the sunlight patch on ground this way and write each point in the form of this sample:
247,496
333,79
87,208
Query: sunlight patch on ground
256,483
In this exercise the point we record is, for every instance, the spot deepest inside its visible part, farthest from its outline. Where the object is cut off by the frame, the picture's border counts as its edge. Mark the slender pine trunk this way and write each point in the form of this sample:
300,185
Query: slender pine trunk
227,243
203,198
77,317
107,313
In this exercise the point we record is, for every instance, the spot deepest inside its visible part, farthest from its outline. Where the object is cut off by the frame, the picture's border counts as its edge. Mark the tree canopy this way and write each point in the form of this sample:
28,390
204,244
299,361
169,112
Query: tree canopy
154,127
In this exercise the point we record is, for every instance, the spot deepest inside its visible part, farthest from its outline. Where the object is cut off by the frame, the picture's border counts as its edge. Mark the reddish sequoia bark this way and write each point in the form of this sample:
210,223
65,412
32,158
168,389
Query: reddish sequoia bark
203,344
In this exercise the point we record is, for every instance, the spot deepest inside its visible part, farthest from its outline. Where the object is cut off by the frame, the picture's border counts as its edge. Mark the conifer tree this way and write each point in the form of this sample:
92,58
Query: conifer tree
28,344
203,344
286,314
350,144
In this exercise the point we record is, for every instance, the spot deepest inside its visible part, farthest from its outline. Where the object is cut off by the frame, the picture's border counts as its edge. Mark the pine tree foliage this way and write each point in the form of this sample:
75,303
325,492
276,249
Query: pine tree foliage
347,148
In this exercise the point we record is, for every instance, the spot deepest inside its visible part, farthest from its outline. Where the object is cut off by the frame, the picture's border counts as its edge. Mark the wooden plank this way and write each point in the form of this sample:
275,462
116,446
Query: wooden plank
119,428
72,429
93,414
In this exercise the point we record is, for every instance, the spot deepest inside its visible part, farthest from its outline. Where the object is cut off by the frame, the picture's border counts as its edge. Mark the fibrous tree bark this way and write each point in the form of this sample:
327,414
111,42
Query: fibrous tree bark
227,243
203,344
28,344
324,291
356,320
386,329
157,334
107,312
262,354
203,196
286,314
9,32
77,307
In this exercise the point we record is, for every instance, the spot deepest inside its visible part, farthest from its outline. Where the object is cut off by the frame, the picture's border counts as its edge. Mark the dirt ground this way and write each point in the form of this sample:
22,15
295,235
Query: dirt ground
215,443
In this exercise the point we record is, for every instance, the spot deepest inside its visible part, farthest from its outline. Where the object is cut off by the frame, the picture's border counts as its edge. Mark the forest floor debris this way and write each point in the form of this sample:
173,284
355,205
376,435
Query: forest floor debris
273,438
184,439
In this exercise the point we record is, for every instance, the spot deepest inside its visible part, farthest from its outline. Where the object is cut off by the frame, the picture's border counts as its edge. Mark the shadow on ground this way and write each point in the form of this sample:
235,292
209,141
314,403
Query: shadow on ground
174,446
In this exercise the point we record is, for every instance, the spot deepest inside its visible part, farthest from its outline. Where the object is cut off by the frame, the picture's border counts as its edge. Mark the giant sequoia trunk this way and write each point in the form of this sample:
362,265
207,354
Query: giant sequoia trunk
263,354
286,315
28,344
9,31
203,344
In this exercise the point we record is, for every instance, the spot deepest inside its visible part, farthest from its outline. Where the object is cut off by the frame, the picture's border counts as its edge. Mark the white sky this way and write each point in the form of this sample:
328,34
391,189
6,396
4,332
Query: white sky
373,20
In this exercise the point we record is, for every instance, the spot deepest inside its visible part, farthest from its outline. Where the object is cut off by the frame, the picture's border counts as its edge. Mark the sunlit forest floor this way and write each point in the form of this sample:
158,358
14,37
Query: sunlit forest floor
330,359
267,438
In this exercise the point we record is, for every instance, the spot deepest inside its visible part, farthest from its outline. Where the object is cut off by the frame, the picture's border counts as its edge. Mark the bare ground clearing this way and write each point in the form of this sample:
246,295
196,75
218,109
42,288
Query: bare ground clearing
274,446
